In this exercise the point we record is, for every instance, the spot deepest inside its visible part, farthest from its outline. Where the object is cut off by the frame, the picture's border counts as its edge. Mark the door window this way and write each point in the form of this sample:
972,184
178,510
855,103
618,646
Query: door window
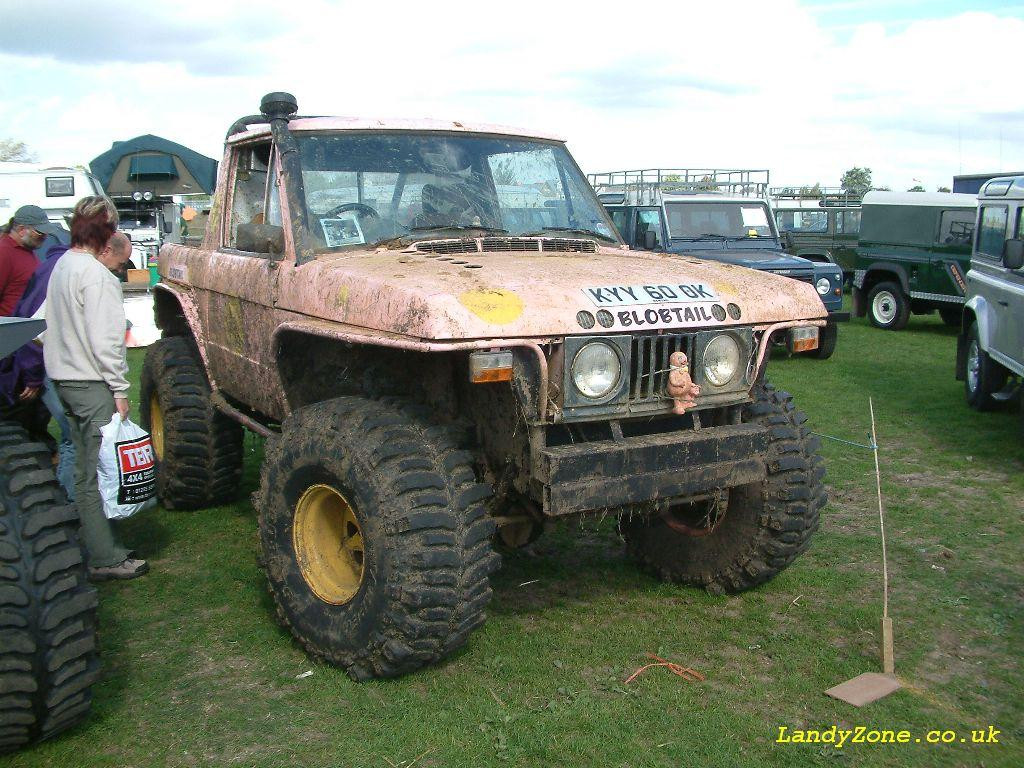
619,218
848,222
992,231
957,227
247,198
648,220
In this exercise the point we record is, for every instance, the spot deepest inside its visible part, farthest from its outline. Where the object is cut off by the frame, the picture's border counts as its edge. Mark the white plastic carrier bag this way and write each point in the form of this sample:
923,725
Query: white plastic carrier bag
126,470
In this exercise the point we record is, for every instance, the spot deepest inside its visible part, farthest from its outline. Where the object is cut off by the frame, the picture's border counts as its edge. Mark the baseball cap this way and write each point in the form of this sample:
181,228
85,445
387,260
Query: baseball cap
34,217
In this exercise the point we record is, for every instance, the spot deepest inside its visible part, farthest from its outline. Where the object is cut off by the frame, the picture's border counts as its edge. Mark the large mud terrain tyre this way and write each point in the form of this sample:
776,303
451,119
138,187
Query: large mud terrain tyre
198,449
888,307
374,535
746,535
983,376
48,658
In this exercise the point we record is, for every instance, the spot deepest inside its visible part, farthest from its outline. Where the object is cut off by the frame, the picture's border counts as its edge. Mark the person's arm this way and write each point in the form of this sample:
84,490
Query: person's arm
103,307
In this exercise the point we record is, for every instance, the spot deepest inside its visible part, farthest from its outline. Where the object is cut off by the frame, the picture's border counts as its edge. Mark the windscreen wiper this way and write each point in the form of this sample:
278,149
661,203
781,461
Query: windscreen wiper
571,230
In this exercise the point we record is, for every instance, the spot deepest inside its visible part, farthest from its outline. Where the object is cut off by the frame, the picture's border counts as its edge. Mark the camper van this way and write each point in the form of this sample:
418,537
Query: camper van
55,189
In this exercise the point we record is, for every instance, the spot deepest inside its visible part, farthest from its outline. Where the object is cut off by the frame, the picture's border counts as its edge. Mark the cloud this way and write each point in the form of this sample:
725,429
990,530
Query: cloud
739,84
224,39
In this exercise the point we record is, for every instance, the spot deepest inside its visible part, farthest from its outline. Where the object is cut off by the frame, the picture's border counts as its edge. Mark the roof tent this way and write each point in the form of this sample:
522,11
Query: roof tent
154,164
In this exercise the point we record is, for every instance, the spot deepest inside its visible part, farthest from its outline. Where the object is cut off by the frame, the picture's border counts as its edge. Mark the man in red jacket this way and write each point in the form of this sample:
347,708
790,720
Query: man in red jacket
26,231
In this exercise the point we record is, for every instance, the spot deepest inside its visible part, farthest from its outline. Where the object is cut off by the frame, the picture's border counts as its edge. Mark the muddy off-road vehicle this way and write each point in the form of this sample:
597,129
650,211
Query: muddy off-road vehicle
48,659
440,334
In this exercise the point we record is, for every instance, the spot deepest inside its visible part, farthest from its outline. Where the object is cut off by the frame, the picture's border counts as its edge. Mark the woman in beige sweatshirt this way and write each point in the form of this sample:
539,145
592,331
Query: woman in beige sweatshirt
84,352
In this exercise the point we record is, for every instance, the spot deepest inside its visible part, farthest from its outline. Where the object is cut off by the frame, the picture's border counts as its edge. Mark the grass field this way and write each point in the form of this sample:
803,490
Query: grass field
196,672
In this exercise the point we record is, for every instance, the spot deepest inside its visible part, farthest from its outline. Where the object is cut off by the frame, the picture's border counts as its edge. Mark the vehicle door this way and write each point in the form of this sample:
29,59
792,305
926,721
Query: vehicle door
240,281
950,256
844,242
1002,288
648,229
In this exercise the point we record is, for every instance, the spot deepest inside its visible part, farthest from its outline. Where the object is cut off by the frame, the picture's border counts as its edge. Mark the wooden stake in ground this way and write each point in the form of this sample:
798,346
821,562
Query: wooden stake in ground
872,686
888,655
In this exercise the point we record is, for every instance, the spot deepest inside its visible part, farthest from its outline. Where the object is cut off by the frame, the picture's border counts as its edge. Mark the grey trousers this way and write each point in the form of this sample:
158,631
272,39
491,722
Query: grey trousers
90,406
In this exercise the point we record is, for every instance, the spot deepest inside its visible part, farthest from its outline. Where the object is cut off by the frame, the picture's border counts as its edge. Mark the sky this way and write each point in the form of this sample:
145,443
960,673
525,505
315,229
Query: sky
918,91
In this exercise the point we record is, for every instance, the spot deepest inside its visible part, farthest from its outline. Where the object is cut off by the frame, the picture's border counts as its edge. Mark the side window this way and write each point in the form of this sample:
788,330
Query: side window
848,223
648,221
957,227
992,231
619,218
1020,222
247,198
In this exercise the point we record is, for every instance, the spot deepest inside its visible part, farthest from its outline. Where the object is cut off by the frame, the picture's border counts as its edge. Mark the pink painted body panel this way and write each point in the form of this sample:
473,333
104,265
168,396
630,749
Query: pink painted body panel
528,295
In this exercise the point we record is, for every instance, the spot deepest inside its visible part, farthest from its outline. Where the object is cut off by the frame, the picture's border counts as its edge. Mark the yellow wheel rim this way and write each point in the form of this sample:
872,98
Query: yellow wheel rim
156,427
328,544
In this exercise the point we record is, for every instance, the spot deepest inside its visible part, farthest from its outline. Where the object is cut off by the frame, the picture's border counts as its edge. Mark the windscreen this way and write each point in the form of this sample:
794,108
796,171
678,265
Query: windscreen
694,221
364,189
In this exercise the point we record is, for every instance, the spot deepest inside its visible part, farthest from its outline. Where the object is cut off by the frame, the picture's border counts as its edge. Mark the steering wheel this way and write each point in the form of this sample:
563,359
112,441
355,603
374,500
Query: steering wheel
364,210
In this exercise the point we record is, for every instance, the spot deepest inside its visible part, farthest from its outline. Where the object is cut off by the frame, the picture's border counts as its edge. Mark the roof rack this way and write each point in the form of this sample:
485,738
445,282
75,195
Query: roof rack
647,186
826,197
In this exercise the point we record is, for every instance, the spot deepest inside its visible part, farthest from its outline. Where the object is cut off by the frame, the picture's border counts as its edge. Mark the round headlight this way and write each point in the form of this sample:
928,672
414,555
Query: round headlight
147,196
721,360
823,285
136,196
596,370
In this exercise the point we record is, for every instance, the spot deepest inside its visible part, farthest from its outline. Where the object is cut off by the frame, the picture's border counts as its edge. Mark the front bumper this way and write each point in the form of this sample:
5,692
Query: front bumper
609,474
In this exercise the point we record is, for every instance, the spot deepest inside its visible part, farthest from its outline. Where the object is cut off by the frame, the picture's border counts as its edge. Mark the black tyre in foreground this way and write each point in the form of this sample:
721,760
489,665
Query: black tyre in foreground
983,377
888,307
742,536
48,658
952,316
198,449
374,535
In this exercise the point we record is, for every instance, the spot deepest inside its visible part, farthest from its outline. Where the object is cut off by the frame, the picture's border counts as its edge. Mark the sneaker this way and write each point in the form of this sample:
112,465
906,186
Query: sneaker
128,569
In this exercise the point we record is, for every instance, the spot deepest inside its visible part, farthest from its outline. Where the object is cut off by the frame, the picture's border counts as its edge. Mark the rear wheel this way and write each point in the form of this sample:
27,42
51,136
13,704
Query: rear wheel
741,537
198,449
888,307
48,659
983,377
374,535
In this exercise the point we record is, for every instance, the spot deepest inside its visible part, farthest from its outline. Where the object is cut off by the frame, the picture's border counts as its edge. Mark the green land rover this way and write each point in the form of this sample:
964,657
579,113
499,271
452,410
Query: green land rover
912,256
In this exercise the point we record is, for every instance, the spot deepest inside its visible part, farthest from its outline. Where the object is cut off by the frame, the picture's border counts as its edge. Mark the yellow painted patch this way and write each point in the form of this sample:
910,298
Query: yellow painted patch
724,287
496,307
342,298
233,328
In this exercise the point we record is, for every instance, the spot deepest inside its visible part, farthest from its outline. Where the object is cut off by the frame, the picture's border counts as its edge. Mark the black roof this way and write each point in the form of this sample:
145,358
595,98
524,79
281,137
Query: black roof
202,168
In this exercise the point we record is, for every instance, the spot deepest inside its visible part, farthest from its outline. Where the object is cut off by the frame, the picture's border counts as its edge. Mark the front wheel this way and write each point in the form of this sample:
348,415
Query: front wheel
198,449
952,316
374,535
983,377
888,307
828,337
743,536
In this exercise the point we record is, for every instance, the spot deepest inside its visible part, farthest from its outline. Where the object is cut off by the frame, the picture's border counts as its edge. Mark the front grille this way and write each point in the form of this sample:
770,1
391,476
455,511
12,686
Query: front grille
518,244
513,244
564,245
448,246
649,365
